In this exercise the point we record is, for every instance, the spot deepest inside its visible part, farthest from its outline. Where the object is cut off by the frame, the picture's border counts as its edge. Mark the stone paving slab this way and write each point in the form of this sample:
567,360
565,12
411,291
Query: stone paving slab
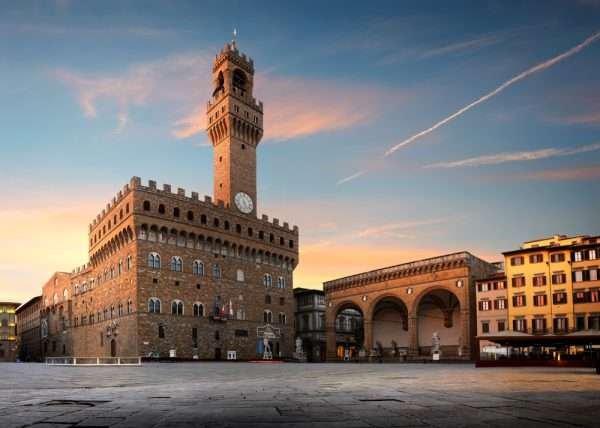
222,395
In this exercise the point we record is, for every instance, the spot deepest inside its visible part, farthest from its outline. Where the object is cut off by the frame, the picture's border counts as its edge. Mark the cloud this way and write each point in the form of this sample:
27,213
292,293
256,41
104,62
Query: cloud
515,157
533,70
392,229
178,80
352,177
466,45
564,174
582,119
296,107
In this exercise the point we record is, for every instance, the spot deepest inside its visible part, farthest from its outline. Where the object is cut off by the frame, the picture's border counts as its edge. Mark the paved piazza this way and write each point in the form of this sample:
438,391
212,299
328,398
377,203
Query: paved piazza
299,395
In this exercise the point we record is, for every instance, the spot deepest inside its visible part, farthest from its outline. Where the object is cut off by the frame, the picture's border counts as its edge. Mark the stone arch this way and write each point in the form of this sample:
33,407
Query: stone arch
388,316
438,310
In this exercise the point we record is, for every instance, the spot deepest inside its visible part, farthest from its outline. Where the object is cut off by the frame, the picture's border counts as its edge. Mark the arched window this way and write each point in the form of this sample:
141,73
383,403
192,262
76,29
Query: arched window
176,264
112,272
161,209
216,271
267,280
161,332
216,222
120,267
268,299
282,318
198,310
153,305
128,262
120,309
129,306
112,312
154,260
76,289
240,275
203,219
190,216
267,316
175,212
65,295
177,308
280,282
198,268
146,205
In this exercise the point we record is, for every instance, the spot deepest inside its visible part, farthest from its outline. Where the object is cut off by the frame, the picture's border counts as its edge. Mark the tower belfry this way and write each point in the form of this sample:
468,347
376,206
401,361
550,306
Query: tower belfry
235,127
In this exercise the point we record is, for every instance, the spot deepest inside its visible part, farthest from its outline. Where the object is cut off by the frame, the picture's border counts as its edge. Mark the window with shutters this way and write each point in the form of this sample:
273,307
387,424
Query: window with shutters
517,261
595,295
536,258
539,280
518,281
559,278
501,325
539,325
540,300
578,276
577,256
559,298
580,297
557,257
519,301
520,325
560,324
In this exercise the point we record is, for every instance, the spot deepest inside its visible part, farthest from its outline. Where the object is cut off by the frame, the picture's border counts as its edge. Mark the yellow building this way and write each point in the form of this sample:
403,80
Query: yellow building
553,285
8,331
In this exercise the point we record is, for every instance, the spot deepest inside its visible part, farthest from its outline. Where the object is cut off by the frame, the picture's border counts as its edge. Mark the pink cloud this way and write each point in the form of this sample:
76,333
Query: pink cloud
294,107
563,174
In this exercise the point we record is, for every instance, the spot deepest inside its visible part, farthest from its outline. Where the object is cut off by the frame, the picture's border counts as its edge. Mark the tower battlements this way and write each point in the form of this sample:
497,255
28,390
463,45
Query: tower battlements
167,190
231,53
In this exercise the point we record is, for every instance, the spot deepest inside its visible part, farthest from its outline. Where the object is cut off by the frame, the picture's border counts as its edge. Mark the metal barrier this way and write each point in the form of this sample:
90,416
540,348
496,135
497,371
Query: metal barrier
94,361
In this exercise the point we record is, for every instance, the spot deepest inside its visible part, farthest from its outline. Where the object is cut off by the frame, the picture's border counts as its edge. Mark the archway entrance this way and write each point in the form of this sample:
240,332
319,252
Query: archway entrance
390,327
438,314
113,348
349,333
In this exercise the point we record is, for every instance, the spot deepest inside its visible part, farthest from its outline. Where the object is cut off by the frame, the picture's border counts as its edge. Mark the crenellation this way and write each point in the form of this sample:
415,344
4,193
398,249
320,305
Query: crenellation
167,188
181,192
276,222
265,217
152,184
208,200
194,196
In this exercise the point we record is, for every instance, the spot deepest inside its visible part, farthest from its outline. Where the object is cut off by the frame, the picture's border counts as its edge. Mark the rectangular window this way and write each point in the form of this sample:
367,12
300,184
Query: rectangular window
557,257
559,278
536,258
580,323
594,322
580,297
540,300
592,254
519,301
559,298
501,326
595,295
485,327
517,261
500,304
539,325
539,280
518,281
577,256
578,276
560,324
520,325
501,285
485,305
593,274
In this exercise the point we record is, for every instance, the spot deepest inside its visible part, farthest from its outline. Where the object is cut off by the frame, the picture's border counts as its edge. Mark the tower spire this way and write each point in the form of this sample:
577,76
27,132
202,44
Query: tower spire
234,40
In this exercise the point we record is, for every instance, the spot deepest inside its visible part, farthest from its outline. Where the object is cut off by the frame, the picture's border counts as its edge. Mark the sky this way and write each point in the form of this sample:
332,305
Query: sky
393,130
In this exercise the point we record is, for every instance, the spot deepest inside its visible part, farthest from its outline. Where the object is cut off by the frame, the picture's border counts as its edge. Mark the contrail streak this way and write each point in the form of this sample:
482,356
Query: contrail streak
540,67
352,177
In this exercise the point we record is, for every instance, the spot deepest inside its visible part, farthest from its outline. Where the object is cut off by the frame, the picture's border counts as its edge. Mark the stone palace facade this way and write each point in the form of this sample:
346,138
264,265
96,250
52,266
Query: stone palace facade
171,274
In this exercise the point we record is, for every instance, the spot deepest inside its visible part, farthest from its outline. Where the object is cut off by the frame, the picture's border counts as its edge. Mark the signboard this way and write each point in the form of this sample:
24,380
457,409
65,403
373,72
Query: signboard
232,355
172,353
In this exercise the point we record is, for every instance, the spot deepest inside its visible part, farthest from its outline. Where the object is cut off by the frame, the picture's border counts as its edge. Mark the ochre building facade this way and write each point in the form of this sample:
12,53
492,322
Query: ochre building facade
171,274
404,306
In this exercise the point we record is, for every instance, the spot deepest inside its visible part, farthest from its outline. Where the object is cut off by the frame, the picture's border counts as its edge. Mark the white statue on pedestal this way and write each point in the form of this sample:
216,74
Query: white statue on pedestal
435,346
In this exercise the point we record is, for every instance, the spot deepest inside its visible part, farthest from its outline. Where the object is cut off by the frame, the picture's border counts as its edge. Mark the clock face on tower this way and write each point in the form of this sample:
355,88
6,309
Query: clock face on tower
244,202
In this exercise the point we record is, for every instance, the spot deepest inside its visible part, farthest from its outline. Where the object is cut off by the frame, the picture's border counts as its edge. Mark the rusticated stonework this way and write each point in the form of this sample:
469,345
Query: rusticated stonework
174,275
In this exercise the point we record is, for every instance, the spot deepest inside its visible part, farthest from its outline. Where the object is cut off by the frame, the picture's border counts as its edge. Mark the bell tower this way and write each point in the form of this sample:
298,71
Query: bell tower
235,127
